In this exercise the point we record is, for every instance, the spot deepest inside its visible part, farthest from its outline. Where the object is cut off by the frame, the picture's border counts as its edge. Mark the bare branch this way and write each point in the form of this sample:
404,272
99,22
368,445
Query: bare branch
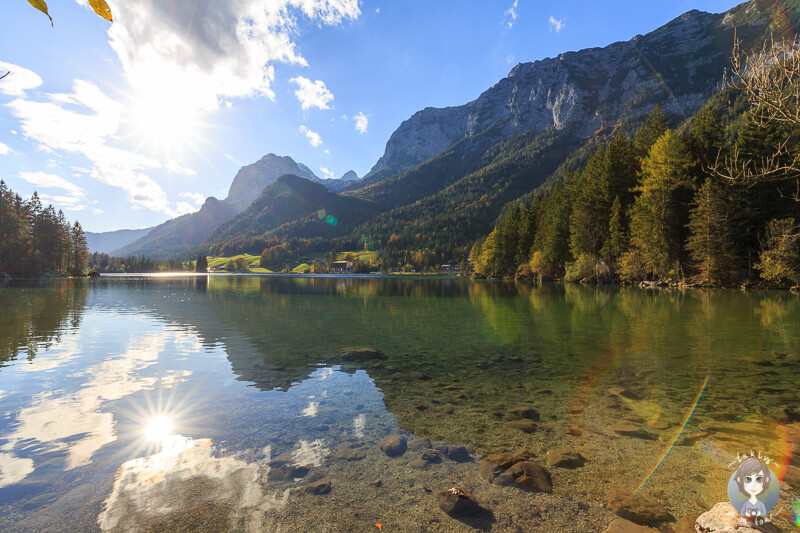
4,75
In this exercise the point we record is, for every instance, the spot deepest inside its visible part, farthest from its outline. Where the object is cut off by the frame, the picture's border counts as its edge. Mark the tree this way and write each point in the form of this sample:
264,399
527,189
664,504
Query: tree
80,249
780,259
201,265
656,221
770,79
617,243
654,127
711,243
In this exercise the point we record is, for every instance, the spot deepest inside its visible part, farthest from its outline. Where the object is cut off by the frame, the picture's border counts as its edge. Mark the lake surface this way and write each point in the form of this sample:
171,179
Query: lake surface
212,403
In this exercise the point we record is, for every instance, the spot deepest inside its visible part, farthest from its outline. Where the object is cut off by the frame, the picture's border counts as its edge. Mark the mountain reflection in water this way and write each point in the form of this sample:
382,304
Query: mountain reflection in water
301,377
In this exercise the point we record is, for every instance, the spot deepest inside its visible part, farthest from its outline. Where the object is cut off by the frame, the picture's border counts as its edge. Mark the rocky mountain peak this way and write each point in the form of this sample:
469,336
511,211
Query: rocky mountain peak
251,180
677,66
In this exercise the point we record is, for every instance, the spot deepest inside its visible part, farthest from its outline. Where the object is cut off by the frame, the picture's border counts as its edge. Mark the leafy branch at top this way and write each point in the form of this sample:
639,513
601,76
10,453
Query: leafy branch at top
100,7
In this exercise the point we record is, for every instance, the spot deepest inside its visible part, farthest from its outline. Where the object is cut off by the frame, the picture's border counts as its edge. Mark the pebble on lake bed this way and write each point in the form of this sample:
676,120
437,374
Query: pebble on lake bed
394,445
636,507
458,502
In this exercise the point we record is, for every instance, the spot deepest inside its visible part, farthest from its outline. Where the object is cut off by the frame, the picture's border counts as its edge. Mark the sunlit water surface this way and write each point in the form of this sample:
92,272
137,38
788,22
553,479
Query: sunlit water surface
161,403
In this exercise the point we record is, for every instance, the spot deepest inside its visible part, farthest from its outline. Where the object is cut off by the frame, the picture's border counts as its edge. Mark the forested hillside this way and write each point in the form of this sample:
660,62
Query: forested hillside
35,239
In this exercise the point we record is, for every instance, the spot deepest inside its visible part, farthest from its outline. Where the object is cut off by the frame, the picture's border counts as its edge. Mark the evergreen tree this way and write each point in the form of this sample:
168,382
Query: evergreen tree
617,243
711,243
589,218
780,260
656,221
201,265
656,124
80,249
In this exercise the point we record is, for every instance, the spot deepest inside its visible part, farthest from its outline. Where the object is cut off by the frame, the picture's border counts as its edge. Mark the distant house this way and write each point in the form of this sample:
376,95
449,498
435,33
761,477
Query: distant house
450,266
342,267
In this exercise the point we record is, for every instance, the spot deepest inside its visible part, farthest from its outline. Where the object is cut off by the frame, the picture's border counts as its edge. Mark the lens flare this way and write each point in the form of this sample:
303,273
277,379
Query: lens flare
680,432
158,428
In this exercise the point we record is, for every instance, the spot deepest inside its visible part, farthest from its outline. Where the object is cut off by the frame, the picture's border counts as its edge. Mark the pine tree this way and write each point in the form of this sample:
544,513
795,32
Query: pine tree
656,124
617,243
711,243
656,222
80,250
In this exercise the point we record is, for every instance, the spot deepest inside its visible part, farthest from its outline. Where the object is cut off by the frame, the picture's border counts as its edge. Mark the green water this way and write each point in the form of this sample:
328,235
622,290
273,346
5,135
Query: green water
237,370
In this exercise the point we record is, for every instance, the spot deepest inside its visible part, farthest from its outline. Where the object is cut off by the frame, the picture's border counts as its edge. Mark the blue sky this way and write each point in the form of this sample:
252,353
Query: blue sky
128,124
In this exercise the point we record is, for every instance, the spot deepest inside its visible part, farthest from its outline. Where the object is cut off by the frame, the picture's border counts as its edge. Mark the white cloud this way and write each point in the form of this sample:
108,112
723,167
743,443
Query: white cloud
328,174
184,208
18,80
206,49
51,181
361,122
326,152
556,25
313,137
4,149
377,10
312,93
511,14
85,128
195,197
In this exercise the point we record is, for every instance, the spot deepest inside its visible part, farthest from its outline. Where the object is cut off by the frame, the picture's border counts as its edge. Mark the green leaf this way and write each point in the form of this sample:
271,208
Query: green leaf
41,5
101,8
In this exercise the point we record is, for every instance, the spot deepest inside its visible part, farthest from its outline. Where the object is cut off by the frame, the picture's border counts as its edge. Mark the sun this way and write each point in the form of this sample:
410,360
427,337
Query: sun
164,123
158,428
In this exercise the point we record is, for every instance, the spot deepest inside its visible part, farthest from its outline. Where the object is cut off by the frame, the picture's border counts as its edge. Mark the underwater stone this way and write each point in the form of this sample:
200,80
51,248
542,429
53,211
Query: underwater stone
458,502
636,507
459,454
528,426
621,525
528,413
565,458
323,486
629,430
394,445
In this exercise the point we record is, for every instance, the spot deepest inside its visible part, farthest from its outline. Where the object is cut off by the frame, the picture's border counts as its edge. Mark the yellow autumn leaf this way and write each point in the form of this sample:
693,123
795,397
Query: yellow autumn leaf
101,8
41,5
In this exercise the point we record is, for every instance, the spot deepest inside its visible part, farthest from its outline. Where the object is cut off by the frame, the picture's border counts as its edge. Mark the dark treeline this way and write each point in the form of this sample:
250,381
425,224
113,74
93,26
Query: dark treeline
103,263
35,240
648,208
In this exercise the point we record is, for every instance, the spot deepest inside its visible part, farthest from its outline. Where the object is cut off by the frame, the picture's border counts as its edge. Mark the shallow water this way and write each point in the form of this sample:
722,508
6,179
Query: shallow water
157,403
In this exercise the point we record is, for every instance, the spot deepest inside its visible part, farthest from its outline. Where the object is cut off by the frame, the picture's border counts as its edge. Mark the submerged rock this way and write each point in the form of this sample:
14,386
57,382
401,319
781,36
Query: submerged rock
528,426
418,444
524,474
458,502
394,445
348,455
507,460
620,525
565,458
459,454
525,412
722,518
360,354
630,430
686,524
287,472
323,486
636,507
432,456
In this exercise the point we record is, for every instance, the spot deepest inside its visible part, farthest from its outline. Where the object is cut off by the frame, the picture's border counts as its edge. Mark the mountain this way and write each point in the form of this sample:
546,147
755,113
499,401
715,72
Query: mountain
178,235
107,241
348,181
677,66
251,180
294,205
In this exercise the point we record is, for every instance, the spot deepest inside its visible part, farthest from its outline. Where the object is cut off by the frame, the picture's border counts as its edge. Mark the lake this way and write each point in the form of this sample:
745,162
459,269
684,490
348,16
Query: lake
263,403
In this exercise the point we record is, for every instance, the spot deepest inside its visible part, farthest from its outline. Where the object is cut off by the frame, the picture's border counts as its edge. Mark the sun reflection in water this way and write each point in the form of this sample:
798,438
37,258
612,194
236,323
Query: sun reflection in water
158,428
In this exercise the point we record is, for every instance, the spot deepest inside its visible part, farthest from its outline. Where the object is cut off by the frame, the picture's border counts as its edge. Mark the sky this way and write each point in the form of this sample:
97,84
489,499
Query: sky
127,124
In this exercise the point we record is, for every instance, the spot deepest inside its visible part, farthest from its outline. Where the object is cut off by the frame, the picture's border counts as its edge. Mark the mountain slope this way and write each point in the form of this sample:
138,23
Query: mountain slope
678,66
251,180
107,241
308,208
178,235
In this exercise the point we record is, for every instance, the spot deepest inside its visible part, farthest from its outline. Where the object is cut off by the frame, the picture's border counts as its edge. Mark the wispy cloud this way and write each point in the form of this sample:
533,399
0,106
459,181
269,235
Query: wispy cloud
312,93
195,197
313,137
84,122
361,122
51,181
4,149
557,25
511,14
19,79
329,174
